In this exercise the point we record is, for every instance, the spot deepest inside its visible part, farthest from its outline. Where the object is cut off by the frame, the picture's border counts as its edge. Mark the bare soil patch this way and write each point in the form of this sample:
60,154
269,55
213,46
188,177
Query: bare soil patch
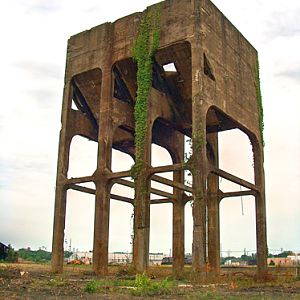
35,281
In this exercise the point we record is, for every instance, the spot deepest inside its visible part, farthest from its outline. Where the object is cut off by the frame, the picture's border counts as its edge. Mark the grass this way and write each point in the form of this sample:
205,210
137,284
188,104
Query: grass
91,287
141,286
121,283
57,281
146,287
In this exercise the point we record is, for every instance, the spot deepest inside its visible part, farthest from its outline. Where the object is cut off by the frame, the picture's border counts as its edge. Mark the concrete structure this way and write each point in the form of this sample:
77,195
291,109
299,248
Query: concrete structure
214,88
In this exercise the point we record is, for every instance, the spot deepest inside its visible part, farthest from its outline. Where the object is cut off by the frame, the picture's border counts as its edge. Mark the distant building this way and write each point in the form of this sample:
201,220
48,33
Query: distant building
168,260
83,257
295,259
119,258
235,262
3,251
114,257
280,261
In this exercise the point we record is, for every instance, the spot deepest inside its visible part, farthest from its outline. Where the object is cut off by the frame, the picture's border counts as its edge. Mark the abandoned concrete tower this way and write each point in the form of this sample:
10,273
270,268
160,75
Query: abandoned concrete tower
127,97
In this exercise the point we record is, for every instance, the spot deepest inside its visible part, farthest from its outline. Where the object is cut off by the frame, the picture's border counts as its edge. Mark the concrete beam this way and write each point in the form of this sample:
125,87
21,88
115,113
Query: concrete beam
234,179
152,190
172,183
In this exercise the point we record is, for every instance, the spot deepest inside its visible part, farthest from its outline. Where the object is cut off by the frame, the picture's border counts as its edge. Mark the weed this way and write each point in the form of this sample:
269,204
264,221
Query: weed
57,281
91,287
145,287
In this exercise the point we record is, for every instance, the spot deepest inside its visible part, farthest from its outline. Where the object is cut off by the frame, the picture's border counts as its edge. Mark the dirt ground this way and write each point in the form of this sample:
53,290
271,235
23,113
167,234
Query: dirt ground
35,281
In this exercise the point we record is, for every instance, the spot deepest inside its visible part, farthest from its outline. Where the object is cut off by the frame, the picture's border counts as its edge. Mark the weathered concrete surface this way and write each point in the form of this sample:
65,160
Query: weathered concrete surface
214,89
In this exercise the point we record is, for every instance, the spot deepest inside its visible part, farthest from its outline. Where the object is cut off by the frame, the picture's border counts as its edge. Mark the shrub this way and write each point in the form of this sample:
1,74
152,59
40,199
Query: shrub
145,287
91,287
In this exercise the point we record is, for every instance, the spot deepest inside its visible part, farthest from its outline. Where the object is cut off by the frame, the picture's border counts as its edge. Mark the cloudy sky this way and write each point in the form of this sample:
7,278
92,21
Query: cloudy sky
34,37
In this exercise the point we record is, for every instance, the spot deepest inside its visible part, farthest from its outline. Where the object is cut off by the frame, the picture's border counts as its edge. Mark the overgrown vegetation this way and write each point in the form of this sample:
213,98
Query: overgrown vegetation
143,53
91,287
140,286
146,287
259,102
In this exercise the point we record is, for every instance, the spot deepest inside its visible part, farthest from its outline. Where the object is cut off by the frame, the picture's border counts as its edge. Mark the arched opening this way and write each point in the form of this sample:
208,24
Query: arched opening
237,212
83,157
160,214
121,213
188,228
235,155
79,227
234,160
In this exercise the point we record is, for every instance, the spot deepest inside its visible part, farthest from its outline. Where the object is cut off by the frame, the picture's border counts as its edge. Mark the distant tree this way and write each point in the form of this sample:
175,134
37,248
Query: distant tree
285,254
246,257
224,259
67,254
38,255
12,255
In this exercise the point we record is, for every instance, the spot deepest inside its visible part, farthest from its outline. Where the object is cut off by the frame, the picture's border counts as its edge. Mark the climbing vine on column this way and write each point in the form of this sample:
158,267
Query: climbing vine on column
143,53
259,103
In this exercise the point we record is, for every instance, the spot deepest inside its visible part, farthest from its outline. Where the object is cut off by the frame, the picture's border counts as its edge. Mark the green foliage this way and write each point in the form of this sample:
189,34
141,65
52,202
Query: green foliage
284,254
145,287
143,53
91,287
198,140
272,263
12,255
140,286
57,282
259,103
38,255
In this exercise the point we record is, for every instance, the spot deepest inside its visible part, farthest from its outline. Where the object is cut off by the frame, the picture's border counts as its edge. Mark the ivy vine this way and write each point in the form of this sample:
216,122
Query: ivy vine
259,103
143,53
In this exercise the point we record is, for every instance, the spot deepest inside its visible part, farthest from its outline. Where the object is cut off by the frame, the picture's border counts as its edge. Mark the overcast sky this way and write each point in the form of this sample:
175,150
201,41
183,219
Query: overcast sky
34,36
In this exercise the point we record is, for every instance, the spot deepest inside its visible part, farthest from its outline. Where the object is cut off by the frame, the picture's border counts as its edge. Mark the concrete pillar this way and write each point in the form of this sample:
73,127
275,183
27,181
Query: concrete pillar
178,212
198,164
213,211
102,201
61,191
142,210
260,211
198,168
178,237
101,227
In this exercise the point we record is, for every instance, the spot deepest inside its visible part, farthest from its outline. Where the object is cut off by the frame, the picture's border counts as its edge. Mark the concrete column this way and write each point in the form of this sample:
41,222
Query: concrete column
142,210
178,212
198,164
101,227
178,237
198,168
60,191
102,201
260,210
213,211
